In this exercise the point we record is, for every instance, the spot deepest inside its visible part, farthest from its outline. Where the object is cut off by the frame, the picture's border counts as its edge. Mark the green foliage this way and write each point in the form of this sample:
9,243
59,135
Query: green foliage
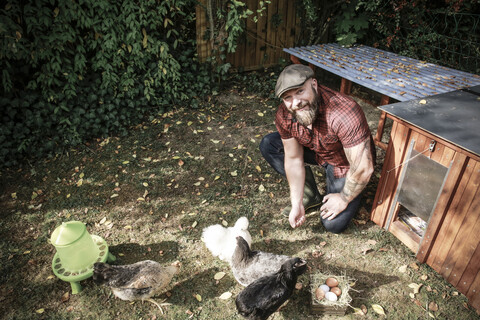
441,32
318,20
74,70
351,24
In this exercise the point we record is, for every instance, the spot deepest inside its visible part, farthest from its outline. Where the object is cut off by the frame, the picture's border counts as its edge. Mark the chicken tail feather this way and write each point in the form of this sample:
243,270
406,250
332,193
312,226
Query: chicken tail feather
241,224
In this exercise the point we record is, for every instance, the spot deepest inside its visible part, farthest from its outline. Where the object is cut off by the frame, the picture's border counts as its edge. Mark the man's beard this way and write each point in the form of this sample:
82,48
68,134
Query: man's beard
309,115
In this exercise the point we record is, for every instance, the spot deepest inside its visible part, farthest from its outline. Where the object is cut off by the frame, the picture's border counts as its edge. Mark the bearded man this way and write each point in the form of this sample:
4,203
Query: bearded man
318,126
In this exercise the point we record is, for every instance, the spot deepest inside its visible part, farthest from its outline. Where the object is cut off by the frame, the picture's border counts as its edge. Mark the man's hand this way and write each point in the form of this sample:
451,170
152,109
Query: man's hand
297,216
333,204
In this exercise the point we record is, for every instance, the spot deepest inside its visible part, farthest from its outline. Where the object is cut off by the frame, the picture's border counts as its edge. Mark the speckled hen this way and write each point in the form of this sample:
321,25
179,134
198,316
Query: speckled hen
138,281
248,265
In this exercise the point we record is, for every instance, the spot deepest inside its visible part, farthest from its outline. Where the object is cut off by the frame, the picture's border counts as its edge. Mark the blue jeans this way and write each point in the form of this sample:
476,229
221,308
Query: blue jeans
272,150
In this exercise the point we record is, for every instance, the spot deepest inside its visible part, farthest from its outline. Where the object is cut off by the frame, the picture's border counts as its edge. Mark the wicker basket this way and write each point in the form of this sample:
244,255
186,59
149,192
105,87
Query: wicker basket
325,307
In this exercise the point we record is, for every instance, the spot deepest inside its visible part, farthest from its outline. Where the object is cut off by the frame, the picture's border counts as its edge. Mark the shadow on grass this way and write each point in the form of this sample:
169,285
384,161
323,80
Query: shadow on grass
127,253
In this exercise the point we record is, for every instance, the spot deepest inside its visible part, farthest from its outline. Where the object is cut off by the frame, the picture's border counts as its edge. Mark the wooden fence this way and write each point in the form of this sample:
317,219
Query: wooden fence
263,42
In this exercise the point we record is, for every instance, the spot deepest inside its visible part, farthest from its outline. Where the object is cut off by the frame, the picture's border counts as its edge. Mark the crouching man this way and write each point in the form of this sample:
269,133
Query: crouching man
319,126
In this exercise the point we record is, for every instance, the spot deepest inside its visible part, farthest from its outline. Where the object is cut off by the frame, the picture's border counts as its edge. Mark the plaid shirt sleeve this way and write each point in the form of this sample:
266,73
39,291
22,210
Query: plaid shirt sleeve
350,124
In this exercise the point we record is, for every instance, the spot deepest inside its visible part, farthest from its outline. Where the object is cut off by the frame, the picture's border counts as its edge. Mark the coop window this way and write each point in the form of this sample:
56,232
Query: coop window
418,190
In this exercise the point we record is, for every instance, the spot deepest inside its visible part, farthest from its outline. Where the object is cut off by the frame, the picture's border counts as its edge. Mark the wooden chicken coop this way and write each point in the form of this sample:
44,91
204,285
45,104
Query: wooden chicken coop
428,194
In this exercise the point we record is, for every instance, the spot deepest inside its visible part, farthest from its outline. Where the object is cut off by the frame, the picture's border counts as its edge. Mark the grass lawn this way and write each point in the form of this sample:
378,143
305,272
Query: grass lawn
150,194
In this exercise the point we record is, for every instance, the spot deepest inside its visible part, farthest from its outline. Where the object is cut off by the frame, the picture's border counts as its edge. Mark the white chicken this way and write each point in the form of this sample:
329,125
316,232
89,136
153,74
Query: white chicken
221,241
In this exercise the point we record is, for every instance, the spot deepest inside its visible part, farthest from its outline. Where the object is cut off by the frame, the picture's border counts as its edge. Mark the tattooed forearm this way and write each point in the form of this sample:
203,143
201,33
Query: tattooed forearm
361,168
351,189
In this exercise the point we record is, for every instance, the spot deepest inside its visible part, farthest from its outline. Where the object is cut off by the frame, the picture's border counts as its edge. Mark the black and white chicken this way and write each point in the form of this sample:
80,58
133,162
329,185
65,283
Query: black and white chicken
264,296
248,266
137,281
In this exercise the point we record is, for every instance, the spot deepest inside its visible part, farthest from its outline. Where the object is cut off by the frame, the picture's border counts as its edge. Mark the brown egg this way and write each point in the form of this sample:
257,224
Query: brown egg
332,282
320,294
336,290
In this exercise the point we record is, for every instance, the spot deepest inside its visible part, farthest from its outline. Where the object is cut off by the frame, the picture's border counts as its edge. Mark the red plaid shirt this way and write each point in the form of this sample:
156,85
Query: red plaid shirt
341,124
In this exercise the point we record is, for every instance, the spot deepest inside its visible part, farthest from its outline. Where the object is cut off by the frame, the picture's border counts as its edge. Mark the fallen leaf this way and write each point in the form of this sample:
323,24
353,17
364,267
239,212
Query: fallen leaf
234,173
194,224
415,286
358,311
258,168
299,286
413,265
226,295
366,250
261,188
145,184
180,162
359,222
40,311
372,242
403,269
14,195
433,306
216,178
317,254
65,297
378,309
423,101
364,309
219,275
198,297
424,277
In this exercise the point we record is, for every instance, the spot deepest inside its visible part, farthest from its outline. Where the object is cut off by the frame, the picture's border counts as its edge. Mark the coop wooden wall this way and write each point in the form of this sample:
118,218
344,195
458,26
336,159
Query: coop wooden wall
262,44
451,244
455,253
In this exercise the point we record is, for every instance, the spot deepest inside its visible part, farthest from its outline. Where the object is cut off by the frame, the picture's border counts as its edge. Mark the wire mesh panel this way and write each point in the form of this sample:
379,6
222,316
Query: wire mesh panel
440,33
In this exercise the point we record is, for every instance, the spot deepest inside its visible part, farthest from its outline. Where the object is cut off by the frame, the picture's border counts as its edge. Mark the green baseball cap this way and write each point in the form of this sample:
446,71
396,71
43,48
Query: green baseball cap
293,76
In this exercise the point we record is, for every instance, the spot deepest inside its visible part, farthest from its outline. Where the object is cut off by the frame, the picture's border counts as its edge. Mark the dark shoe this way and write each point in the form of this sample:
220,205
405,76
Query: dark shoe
311,196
